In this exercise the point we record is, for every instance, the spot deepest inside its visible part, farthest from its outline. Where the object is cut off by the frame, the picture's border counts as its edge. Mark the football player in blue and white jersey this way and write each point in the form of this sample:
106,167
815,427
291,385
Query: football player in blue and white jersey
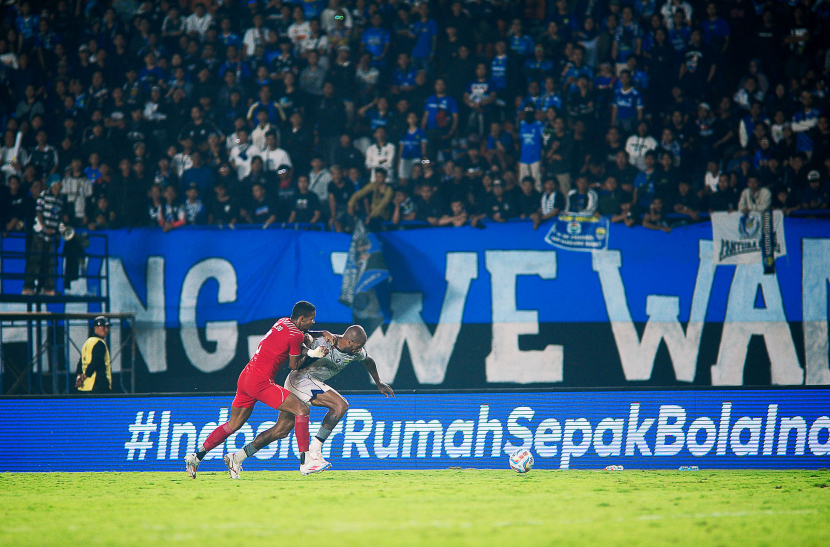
308,383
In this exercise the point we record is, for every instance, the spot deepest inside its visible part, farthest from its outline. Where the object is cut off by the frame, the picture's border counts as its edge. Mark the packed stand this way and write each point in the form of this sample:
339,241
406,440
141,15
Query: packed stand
396,113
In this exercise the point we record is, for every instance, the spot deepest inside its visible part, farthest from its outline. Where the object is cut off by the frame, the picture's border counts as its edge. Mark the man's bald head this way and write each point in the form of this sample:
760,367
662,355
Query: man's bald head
356,334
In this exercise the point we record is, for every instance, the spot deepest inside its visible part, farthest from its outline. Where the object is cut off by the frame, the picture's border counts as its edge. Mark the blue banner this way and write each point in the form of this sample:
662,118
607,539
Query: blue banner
761,429
579,233
469,308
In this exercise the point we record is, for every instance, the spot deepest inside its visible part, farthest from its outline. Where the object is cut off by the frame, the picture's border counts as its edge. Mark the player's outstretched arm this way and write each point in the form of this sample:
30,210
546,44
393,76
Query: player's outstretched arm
372,369
330,338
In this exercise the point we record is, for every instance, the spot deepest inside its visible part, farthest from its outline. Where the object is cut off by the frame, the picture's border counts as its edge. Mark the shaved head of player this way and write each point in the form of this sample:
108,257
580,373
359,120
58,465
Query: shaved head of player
353,340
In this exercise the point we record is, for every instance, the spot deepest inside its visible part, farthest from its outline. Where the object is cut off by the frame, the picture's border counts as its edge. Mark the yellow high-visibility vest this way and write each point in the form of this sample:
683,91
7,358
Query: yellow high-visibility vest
86,359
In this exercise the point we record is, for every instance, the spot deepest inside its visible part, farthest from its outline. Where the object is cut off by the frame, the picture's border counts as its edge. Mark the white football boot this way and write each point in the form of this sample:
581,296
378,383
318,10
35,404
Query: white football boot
234,468
192,463
314,463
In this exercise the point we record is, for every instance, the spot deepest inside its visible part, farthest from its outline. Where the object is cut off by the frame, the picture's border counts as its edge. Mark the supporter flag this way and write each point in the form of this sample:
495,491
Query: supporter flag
365,266
578,232
739,238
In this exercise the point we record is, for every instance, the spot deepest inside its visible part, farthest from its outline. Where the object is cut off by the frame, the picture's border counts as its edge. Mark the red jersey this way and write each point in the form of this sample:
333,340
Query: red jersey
282,340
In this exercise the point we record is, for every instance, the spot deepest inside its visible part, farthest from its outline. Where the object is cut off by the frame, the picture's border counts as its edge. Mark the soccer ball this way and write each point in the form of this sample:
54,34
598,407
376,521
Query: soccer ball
521,461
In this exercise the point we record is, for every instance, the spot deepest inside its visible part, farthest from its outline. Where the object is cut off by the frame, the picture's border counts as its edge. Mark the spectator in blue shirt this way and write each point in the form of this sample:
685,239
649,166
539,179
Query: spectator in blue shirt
628,39
440,120
519,43
425,31
550,97
411,148
479,96
628,104
538,67
530,155
376,41
715,29
200,174
575,69
403,77
804,120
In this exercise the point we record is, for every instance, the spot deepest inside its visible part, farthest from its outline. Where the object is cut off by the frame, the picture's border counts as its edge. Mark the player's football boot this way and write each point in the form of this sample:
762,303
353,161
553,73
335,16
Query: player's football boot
234,468
192,463
314,463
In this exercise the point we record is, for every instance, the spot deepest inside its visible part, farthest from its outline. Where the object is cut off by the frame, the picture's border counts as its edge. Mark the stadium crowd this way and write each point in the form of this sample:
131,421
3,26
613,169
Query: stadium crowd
172,113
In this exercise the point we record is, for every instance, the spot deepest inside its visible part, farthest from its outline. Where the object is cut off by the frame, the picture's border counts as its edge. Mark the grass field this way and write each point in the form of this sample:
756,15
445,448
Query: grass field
435,508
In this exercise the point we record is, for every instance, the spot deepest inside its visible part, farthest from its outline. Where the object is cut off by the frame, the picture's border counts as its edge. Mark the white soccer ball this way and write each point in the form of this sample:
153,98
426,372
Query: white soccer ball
521,461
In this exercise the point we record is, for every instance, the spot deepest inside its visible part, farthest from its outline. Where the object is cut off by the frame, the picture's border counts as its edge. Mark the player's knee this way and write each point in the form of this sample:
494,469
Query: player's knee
341,408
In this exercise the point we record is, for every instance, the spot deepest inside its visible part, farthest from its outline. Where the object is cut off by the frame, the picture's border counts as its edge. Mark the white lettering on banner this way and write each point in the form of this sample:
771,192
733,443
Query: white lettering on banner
769,433
390,450
797,424
506,362
140,442
815,274
486,426
708,427
637,356
612,448
570,448
723,428
430,354
354,436
743,320
465,438
636,438
187,431
816,447
670,436
548,431
164,431
224,333
150,334
424,430
465,428
519,431
750,447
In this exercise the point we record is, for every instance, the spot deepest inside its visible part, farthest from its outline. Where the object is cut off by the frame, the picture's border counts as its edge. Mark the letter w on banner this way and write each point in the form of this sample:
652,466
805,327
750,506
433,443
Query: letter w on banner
738,238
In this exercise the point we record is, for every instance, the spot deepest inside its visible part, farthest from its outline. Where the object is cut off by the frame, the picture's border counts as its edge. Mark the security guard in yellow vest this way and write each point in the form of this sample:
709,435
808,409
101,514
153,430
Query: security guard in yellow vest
94,371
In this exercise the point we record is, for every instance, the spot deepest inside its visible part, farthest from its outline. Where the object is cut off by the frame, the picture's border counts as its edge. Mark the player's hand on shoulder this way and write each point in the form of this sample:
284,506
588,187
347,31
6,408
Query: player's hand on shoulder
330,338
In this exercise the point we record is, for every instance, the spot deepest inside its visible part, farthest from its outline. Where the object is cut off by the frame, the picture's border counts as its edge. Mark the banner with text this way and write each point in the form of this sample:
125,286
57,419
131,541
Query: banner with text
468,308
760,429
738,237
578,232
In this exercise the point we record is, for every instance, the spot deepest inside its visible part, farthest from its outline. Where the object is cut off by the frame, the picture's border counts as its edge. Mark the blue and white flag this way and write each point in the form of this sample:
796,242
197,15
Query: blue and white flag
365,265
738,238
579,233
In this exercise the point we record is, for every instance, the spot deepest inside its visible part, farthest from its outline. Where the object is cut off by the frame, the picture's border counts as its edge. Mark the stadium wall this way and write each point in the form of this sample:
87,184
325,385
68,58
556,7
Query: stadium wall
470,308
708,428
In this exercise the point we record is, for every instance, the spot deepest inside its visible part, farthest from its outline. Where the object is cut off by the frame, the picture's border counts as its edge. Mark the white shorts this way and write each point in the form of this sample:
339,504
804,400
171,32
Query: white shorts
304,386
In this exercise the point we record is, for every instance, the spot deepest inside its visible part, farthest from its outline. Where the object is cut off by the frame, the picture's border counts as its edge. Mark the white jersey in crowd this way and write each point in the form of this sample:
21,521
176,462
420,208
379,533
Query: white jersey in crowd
324,368
272,159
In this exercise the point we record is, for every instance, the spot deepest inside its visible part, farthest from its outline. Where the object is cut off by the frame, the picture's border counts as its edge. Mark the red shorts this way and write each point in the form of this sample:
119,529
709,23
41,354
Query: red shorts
252,387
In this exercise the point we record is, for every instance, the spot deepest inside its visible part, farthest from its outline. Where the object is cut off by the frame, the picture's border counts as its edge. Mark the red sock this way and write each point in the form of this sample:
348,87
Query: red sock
301,431
220,434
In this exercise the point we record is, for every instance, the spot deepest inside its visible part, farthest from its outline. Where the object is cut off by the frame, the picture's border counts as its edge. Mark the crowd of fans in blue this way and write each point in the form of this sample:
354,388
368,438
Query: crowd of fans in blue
171,113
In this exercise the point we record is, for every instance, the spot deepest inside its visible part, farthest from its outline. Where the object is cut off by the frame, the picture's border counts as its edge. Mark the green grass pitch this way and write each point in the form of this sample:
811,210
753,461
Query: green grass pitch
419,508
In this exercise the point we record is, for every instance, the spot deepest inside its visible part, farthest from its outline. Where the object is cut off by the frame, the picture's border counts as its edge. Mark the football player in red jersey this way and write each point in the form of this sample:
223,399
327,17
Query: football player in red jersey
283,342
